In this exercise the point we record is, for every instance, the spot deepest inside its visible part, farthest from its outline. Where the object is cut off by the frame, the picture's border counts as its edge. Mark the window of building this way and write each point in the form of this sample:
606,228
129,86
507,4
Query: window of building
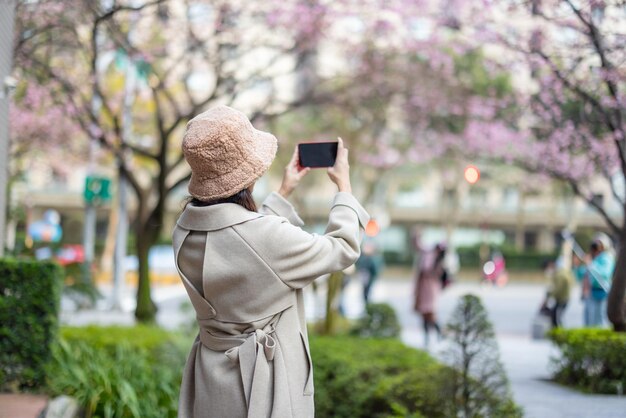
510,197
530,240
477,197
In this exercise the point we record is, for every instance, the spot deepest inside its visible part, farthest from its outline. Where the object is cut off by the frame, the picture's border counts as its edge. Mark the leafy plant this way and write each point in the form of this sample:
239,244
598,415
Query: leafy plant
119,371
29,305
479,385
357,377
379,321
382,378
591,359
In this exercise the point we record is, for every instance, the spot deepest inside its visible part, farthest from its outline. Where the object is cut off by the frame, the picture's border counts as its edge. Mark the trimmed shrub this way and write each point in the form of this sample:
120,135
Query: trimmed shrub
30,293
379,321
357,377
382,378
119,371
469,257
592,359
136,372
480,386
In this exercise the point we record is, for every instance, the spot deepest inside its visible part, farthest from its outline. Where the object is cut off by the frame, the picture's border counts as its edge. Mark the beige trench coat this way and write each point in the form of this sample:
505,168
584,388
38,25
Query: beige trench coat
244,273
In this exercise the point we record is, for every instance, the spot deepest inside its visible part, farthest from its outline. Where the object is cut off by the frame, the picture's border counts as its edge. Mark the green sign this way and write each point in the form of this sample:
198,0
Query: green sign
97,190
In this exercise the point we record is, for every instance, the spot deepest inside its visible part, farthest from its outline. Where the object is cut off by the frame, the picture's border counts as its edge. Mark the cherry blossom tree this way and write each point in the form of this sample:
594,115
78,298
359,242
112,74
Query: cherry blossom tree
261,56
42,129
190,55
569,59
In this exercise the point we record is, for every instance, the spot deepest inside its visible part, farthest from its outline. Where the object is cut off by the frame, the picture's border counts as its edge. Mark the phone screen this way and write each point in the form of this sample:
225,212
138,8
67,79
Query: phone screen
317,154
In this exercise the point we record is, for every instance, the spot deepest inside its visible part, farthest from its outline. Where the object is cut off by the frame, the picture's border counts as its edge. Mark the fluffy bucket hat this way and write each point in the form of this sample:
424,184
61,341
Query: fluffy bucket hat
225,152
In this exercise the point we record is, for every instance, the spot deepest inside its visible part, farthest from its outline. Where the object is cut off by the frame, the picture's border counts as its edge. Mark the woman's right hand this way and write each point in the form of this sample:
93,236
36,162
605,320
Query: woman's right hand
340,172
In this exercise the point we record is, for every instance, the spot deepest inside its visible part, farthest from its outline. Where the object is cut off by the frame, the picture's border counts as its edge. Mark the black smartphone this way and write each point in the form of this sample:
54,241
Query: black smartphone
317,154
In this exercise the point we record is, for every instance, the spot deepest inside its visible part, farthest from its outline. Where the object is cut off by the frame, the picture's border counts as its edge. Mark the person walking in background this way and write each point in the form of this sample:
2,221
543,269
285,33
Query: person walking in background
580,273
559,289
596,273
428,284
368,267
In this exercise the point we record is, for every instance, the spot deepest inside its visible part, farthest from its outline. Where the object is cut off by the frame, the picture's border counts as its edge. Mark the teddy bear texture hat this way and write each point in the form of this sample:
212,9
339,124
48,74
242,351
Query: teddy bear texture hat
225,152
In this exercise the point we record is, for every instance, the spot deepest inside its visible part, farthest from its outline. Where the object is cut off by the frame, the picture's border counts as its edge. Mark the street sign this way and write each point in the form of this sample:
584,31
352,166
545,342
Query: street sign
97,190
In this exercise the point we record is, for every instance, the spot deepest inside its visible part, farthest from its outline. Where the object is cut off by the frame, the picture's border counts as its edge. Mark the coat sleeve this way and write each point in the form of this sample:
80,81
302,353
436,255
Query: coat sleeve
298,257
275,204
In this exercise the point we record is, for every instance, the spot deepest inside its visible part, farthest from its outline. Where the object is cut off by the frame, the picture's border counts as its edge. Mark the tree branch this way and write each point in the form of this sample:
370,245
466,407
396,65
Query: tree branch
178,182
116,9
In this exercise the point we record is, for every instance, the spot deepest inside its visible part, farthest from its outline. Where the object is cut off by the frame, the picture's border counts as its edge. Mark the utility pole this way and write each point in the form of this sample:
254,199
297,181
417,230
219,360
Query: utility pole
89,227
121,237
7,14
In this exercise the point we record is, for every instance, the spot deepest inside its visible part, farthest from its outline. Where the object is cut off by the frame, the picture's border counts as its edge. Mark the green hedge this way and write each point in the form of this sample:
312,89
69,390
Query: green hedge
593,360
357,377
380,321
136,372
120,371
469,257
29,306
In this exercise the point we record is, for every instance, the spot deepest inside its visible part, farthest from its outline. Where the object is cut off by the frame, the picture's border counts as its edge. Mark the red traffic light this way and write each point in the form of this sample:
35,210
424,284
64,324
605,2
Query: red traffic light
372,228
471,174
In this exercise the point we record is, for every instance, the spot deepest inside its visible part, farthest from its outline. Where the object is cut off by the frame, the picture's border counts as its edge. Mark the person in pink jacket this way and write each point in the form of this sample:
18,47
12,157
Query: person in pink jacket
428,284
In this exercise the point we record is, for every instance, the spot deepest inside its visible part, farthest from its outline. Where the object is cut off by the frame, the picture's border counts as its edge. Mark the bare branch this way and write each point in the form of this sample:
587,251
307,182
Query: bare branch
139,151
607,218
117,9
178,183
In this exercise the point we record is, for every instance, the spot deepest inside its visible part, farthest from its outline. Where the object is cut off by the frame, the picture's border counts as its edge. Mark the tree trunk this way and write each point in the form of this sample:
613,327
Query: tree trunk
616,306
146,309
332,303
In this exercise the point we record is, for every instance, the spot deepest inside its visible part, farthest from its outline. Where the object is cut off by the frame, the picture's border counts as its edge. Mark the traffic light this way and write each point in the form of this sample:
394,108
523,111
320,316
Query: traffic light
372,228
471,174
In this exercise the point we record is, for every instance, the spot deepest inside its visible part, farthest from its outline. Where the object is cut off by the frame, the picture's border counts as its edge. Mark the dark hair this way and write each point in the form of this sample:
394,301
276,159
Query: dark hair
547,263
441,253
242,198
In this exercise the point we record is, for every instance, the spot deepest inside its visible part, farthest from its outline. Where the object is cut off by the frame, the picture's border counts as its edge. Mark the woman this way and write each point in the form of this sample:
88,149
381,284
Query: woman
244,271
428,286
596,273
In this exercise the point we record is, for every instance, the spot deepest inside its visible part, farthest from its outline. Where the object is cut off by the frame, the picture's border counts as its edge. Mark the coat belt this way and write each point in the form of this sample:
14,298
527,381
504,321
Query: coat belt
254,352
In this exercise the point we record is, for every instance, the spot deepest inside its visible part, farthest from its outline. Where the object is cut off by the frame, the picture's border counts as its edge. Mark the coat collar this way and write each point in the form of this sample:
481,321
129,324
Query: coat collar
212,218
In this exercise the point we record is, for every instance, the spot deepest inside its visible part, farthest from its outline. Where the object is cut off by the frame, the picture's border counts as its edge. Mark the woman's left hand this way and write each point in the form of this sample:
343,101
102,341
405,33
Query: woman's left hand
293,174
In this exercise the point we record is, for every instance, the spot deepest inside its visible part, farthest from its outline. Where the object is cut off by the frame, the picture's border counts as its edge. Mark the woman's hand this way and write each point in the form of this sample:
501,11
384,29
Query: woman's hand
340,172
293,174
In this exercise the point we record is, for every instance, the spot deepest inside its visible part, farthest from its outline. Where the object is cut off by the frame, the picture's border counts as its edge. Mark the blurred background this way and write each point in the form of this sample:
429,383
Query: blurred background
495,128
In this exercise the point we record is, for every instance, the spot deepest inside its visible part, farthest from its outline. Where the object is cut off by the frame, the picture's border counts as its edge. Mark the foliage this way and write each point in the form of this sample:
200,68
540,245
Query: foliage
136,371
379,321
29,306
383,378
479,386
572,124
591,359
119,371
356,378
78,287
